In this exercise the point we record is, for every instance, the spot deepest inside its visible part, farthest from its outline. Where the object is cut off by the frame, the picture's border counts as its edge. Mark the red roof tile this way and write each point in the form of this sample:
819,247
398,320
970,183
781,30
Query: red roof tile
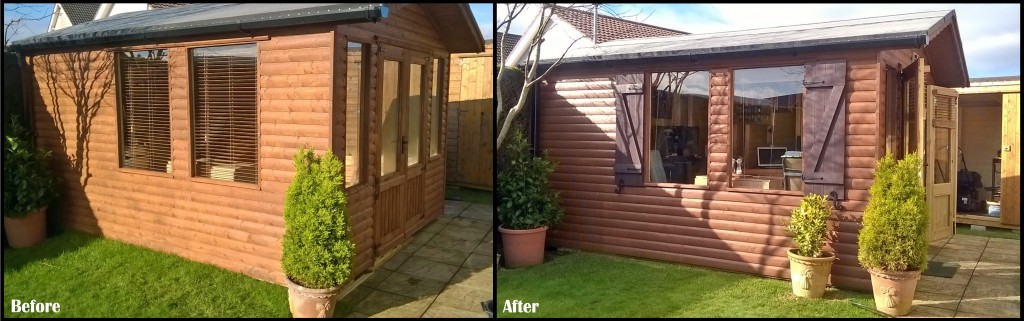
611,28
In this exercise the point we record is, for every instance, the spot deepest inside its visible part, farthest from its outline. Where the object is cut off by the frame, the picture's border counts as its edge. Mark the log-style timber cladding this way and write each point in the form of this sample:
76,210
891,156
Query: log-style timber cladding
233,226
716,227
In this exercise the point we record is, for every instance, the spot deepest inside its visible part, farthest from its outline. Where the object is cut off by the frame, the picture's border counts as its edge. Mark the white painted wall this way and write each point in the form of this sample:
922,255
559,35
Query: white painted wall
557,39
61,21
560,38
128,7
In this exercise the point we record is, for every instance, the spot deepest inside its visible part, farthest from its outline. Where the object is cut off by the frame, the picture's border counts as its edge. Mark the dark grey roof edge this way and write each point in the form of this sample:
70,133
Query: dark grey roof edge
473,28
370,13
901,40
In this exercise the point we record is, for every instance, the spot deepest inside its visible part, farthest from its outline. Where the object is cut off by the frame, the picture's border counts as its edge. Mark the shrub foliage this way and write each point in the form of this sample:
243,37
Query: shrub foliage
526,202
29,183
318,251
895,232
808,224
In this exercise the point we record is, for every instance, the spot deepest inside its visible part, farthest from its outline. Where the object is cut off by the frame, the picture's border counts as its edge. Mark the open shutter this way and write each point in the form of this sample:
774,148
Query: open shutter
629,133
824,122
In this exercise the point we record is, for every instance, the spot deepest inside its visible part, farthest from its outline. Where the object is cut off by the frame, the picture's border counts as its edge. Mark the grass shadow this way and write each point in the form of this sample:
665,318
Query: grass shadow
585,284
55,245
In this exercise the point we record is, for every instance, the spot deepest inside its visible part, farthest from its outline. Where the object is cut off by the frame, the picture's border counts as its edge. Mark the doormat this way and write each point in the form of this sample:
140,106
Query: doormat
942,269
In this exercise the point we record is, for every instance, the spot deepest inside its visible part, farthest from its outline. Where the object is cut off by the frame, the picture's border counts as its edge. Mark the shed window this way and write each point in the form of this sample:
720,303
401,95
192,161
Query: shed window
679,127
415,121
389,132
767,123
144,110
355,88
435,107
224,114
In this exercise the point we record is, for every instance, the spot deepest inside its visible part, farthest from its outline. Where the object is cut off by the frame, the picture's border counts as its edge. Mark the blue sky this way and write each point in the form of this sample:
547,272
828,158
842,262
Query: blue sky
483,12
990,33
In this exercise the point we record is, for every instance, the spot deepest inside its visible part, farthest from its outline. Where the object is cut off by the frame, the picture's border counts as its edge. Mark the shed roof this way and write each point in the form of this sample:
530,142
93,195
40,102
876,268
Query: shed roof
80,12
453,20
935,31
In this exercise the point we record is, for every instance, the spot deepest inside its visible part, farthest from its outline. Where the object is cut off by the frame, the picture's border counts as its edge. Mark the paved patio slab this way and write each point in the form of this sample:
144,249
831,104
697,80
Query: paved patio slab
444,271
987,285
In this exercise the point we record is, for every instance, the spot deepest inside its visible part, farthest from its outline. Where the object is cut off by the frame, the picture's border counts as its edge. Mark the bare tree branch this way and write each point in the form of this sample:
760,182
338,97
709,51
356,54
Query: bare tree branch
531,66
24,13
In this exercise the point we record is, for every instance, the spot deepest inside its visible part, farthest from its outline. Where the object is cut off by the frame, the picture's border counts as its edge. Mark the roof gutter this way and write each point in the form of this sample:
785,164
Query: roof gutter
294,18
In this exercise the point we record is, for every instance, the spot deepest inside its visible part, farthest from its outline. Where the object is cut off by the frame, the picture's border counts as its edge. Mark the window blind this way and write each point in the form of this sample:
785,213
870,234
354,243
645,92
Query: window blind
144,110
224,115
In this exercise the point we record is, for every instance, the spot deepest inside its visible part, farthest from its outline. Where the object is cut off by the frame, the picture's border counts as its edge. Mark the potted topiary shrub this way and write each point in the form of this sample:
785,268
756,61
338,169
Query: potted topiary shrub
809,266
29,186
527,207
893,244
318,252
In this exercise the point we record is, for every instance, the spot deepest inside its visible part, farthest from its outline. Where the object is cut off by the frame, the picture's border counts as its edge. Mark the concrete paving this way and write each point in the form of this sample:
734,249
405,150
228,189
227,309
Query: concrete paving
446,270
987,285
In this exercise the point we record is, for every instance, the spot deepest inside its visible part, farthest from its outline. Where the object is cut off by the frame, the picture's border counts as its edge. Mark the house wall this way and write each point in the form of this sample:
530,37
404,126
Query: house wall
120,8
718,227
234,226
62,21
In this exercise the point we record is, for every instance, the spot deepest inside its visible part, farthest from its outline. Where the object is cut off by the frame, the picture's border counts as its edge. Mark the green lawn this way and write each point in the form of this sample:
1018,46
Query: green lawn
988,232
96,277
582,284
466,194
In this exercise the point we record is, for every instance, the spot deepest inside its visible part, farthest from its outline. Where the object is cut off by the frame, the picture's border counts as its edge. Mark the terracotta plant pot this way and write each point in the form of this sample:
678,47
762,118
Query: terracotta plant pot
311,303
809,275
522,248
26,231
894,290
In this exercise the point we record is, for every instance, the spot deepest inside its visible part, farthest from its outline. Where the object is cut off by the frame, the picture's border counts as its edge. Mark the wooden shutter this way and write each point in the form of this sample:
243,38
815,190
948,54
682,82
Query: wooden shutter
893,113
629,132
824,128
145,117
224,116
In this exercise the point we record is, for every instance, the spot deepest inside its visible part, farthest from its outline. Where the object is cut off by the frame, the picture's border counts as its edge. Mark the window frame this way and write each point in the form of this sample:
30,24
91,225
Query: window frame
364,109
442,91
648,122
190,82
120,115
385,53
732,109
416,58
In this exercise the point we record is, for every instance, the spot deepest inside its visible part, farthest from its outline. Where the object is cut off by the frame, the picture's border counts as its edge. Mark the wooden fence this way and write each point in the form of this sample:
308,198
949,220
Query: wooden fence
471,120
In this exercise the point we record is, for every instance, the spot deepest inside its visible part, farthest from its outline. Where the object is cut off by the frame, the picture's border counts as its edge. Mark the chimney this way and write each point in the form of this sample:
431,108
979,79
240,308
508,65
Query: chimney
594,25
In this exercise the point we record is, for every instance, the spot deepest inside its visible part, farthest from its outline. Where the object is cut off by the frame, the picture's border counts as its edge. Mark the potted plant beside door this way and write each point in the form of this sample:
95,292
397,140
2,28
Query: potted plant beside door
526,207
318,252
29,186
809,266
893,244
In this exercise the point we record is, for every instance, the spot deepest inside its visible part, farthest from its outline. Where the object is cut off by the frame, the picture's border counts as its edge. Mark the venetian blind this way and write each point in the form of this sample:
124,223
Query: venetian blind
144,110
224,115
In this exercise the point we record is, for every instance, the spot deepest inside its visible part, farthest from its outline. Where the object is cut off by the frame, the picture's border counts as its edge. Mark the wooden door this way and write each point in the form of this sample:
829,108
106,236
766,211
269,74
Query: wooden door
414,138
1010,174
940,159
389,216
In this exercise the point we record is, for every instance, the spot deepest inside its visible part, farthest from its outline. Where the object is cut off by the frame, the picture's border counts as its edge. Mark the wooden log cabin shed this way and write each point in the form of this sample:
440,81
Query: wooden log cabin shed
175,128
645,131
